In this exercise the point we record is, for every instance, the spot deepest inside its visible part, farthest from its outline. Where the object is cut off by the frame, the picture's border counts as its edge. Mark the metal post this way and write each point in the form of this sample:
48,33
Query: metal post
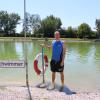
24,42
43,64
25,18
25,53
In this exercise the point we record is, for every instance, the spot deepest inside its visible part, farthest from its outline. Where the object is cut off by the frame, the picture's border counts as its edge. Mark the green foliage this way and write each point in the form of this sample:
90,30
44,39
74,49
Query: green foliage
93,35
8,22
68,33
71,32
44,28
49,25
33,22
98,27
84,30
63,33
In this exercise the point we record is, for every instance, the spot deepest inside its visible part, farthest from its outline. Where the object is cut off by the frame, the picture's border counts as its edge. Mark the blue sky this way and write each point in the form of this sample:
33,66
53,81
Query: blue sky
71,12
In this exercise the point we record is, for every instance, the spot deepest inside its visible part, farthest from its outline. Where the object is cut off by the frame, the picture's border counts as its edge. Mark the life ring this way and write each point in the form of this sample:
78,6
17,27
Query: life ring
36,68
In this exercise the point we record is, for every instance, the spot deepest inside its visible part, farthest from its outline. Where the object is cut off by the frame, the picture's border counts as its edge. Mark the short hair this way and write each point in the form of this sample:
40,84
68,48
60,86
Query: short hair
56,32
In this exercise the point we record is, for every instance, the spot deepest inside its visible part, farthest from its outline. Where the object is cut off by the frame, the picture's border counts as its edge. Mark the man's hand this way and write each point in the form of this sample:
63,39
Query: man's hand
46,46
42,45
62,63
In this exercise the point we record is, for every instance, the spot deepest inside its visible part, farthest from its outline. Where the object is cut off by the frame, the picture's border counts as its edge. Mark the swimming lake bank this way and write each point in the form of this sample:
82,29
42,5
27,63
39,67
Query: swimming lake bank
82,70
21,93
42,39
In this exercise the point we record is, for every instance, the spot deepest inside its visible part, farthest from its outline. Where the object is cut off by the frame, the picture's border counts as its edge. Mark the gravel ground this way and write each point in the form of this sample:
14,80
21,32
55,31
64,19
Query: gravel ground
21,93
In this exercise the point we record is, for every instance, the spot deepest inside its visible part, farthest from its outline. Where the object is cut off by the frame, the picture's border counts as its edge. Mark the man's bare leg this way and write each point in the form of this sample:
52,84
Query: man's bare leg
62,78
53,78
52,86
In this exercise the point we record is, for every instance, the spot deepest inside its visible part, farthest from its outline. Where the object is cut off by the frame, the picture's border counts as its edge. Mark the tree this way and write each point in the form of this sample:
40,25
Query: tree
26,24
4,18
49,25
12,23
84,30
33,22
71,32
98,27
8,22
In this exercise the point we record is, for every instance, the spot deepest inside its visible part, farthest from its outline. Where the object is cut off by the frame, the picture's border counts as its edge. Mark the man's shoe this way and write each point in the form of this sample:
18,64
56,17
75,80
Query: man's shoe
51,87
61,88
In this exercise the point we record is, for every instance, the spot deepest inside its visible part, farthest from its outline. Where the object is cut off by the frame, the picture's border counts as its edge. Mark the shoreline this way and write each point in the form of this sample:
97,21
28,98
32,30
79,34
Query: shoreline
30,39
21,93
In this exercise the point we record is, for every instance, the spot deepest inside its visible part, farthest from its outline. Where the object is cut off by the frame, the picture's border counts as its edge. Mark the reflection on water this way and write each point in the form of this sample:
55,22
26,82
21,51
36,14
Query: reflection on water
82,64
7,50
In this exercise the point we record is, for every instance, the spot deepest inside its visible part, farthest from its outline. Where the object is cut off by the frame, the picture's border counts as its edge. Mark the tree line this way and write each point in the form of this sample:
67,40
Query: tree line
35,27
8,23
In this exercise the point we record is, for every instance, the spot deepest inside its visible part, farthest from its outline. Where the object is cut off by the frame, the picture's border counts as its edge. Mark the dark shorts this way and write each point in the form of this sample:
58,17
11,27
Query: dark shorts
56,67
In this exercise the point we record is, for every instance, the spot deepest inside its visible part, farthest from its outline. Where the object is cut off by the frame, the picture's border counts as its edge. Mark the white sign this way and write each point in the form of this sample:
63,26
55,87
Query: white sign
12,64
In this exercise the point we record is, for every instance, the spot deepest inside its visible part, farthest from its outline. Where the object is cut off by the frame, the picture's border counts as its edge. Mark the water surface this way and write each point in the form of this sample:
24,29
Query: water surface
82,64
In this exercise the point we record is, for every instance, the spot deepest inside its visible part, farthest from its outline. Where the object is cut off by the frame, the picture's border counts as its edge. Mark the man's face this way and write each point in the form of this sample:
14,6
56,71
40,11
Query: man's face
57,35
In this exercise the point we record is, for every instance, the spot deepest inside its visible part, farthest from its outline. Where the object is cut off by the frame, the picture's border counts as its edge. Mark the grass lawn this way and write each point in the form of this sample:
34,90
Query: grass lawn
42,39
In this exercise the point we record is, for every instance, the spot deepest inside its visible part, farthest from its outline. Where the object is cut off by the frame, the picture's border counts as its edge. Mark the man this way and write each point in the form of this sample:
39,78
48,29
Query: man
57,60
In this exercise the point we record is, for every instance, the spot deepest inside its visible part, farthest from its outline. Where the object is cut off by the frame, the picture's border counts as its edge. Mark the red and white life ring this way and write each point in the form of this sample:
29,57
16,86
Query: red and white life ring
36,68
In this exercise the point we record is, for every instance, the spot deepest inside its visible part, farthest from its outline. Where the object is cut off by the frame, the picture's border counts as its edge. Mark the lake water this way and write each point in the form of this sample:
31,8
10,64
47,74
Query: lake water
82,64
